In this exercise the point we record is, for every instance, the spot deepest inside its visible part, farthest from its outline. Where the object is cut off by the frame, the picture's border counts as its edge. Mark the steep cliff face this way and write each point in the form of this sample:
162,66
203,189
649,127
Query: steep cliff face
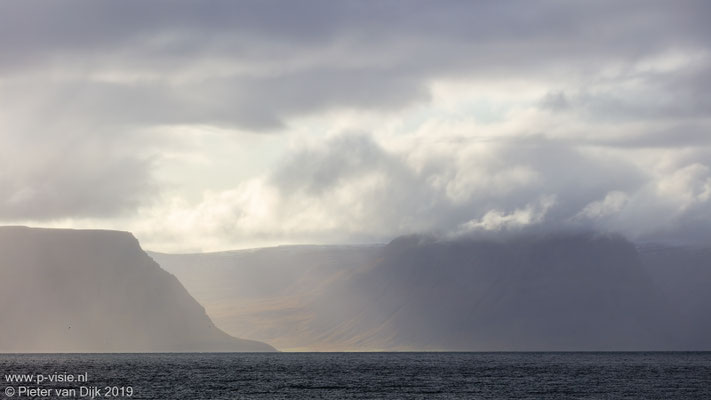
97,291
271,293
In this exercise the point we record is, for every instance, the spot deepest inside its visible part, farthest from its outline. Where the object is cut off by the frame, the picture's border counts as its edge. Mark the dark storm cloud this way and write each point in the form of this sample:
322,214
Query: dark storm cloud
385,52
32,27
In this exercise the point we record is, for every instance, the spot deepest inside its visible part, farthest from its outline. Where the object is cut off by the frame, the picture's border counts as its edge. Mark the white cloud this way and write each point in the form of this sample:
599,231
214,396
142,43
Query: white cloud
610,205
497,220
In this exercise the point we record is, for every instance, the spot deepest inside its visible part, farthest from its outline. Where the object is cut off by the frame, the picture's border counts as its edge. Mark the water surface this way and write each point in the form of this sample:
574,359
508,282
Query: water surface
376,375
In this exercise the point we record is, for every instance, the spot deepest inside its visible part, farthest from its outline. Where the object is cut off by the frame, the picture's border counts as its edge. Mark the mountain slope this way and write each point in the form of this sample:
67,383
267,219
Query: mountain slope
97,291
560,292
526,292
269,293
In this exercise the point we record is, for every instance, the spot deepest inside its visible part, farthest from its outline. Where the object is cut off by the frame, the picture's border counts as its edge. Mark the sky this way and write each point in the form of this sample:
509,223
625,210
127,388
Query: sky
203,126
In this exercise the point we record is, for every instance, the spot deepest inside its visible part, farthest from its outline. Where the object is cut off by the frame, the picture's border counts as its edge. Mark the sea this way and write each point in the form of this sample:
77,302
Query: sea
664,375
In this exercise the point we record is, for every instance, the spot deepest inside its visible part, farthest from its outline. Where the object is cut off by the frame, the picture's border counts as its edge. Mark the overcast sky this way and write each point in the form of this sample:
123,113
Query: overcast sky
206,125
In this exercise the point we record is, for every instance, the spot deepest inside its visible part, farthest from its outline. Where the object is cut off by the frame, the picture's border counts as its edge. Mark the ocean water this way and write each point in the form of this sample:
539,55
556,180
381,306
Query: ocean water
361,376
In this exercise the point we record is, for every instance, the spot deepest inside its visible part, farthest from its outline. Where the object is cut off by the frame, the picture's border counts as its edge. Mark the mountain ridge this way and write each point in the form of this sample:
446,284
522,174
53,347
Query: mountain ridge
519,292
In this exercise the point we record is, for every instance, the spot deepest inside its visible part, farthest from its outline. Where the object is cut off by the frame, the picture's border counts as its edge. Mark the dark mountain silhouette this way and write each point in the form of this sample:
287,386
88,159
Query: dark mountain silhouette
97,291
560,292
683,274
528,292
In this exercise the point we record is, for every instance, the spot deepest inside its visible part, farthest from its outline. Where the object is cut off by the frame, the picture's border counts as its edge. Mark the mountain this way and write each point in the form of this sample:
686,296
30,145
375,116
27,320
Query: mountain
547,293
269,293
97,291
562,291
683,274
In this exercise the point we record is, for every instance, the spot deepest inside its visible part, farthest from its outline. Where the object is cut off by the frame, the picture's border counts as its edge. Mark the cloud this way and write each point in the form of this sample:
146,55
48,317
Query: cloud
247,65
612,204
46,177
476,116
496,220
352,189
647,90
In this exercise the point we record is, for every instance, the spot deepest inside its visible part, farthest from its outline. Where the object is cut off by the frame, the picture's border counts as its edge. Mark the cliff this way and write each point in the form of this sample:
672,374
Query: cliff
97,291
